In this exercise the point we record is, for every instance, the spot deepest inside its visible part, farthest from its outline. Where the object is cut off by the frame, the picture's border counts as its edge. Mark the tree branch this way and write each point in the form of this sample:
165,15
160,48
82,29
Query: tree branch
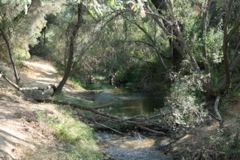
231,32
151,45
151,40
235,80
226,82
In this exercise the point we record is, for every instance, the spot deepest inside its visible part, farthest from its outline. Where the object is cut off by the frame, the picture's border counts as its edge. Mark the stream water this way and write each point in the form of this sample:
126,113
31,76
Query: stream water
134,147
128,103
137,147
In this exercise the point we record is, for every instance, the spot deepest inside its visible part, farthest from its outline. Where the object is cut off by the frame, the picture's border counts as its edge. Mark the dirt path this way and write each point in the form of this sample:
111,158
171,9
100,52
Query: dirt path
21,134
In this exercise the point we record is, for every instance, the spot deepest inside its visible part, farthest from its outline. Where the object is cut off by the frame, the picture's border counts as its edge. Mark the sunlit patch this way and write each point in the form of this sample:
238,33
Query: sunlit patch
42,66
138,144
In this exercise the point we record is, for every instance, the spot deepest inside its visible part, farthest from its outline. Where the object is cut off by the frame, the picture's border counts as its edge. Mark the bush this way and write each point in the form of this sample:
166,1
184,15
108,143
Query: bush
21,54
184,103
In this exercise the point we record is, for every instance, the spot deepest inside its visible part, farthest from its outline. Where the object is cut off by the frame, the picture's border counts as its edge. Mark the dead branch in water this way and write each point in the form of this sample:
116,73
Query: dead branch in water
104,106
139,123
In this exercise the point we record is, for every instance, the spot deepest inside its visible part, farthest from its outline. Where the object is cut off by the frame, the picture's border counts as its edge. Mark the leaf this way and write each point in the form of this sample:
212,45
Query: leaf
4,1
112,3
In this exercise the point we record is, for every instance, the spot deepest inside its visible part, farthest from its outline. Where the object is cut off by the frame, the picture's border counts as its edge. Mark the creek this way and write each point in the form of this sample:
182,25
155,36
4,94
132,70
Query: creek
128,102
134,146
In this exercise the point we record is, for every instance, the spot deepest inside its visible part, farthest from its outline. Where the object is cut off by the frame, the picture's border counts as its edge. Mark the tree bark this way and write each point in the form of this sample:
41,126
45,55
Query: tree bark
180,50
204,32
10,56
226,82
219,117
71,50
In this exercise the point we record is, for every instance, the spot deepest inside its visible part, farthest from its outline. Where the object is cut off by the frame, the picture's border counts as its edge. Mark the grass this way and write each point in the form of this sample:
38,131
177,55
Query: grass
76,82
78,138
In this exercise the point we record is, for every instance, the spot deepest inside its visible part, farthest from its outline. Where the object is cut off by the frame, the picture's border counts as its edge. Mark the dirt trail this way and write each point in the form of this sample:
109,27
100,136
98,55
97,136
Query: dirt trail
21,134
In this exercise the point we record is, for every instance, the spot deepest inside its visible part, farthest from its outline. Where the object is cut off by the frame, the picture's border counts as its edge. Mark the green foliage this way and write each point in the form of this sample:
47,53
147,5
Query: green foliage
23,26
76,82
214,43
132,75
184,102
21,54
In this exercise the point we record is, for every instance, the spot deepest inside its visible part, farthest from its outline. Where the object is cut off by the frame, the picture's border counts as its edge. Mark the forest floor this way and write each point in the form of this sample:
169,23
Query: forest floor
23,136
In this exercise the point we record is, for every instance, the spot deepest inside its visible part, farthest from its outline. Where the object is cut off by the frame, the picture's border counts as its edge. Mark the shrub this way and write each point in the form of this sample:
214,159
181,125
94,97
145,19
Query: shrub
184,103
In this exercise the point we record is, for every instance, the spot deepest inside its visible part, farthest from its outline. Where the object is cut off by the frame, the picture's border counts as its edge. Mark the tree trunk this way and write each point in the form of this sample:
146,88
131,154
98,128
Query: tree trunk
177,56
204,32
71,50
10,56
226,82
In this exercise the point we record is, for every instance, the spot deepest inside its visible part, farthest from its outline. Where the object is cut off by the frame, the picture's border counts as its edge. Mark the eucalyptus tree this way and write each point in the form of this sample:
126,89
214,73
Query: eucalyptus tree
73,34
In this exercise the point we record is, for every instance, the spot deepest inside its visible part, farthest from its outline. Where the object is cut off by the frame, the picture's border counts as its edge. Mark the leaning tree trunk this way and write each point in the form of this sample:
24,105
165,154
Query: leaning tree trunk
10,56
175,44
71,50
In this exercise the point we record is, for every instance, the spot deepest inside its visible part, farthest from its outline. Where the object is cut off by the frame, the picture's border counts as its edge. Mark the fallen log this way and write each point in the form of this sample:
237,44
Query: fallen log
104,106
43,89
93,110
151,130
138,122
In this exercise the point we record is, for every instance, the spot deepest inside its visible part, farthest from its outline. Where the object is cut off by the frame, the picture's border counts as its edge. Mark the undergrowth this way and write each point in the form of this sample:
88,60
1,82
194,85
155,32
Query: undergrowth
76,135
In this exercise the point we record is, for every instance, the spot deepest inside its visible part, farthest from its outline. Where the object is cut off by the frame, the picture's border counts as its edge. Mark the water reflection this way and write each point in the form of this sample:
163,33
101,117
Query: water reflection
128,102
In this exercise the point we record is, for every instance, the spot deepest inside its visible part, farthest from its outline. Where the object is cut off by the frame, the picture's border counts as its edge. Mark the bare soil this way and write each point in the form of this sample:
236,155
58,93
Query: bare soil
22,135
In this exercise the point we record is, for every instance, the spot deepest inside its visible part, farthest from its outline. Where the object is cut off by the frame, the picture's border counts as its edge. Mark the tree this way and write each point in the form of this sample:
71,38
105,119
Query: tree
10,55
73,35
172,17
